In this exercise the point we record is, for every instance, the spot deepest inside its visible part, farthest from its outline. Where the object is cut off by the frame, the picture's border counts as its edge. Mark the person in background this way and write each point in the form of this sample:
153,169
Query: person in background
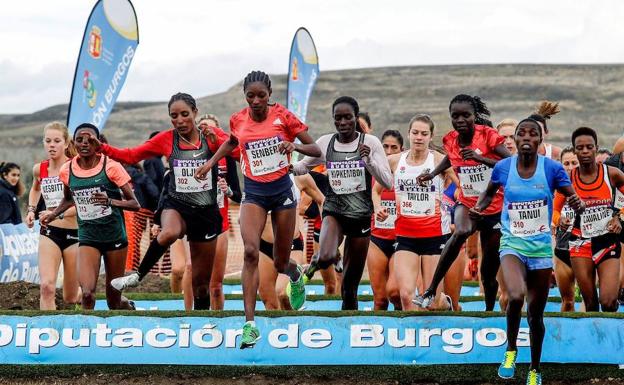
154,167
544,112
506,129
146,192
603,155
364,121
11,188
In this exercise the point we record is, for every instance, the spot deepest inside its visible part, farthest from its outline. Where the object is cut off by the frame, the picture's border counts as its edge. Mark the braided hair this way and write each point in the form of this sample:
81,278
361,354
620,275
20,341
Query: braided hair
481,111
354,104
186,98
257,76
545,111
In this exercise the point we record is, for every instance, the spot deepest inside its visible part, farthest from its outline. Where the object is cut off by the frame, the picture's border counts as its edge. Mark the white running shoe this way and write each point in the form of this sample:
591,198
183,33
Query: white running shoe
123,283
424,300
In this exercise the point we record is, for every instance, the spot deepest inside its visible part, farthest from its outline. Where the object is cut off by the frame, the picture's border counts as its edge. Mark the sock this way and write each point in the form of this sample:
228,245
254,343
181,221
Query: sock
152,255
252,323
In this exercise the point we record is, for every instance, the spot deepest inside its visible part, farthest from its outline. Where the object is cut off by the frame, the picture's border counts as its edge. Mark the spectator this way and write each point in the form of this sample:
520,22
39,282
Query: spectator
146,192
154,168
11,188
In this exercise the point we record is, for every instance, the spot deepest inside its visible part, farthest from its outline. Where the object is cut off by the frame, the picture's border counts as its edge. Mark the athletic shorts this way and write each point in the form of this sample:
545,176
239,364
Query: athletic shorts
63,238
598,248
422,246
531,263
352,227
317,236
563,256
203,223
266,247
488,222
282,201
385,245
104,247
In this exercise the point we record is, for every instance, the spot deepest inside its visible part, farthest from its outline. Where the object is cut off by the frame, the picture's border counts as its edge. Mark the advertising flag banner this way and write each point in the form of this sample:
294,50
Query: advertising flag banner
108,47
303,71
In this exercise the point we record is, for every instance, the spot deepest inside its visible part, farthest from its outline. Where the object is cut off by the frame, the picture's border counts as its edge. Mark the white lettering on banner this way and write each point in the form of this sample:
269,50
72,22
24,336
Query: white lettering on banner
109,95
474,179
264,156
208,336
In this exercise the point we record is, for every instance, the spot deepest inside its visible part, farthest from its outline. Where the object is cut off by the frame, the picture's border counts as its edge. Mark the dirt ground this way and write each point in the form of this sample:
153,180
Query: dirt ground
106,379
25,296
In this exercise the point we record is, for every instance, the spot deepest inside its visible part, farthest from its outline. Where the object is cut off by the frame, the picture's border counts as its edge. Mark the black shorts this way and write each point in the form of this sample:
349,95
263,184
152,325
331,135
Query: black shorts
63,238
281,201
563,256
422,246
266,247
385,245
203,223
103,247
317,236
351,227
488,222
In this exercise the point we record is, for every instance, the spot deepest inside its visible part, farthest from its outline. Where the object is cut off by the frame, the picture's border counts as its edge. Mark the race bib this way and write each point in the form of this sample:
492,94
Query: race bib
347,177
594,219
474,179
86,209
416,200
568,213
390,206
264,156
52,191
183,171
527,219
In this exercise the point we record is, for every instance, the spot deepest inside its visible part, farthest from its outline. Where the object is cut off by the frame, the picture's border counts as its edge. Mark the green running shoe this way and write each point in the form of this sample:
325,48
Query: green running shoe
296,291
507,369
251,335
313,267
534,378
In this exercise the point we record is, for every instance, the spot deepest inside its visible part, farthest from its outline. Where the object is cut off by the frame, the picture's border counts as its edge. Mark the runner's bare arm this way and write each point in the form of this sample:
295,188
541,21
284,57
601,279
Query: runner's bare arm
305,183
33,197
128,202
443,165
66,203
225,149
307,146
380,213
377,163
448,174
309,162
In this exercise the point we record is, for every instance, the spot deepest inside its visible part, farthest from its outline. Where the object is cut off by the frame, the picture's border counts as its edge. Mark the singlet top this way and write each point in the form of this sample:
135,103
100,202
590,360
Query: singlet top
528,205
183,187
385,229
97,223
349,192
51,186
259,141
420,213
598,198
474,176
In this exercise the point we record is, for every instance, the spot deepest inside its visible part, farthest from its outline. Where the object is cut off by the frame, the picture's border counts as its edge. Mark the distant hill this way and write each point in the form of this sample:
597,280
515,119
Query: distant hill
589,94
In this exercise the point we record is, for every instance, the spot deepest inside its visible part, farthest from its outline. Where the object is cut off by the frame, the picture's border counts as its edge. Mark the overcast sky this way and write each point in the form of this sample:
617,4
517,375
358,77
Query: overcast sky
203,47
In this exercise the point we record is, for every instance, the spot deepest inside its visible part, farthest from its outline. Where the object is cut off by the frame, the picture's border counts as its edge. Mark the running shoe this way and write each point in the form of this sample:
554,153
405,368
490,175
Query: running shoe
621,296
312,268
123,283
534,378
338,266
507,369
251,335
425,300
296,291
449,300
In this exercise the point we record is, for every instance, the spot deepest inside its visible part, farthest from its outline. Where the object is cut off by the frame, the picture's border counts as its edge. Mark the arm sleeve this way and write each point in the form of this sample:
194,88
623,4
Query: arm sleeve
232,179
64,173
308,162
151,192
116,173
559,177
500,173
493,139
558,203
159,145
378,164
293,125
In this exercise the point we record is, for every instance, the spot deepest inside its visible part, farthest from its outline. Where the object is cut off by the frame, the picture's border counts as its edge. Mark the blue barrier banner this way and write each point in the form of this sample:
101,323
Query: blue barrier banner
300,340
108,46
303,70
19,248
